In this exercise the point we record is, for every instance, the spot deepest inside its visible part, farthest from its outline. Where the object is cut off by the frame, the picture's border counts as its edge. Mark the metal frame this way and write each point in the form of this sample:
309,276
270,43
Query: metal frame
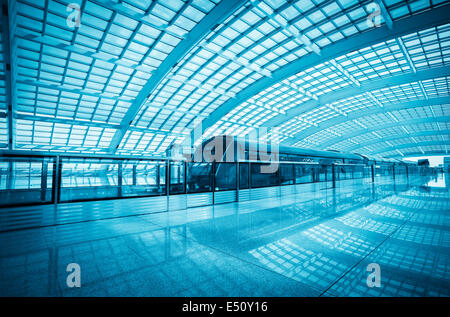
8,24
400,137
410,145
353,91
425,153
361,114
381,127
57,177
214,23
222,11
431,18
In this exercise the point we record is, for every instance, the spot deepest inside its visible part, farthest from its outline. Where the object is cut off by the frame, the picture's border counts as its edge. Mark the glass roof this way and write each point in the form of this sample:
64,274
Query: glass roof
83,85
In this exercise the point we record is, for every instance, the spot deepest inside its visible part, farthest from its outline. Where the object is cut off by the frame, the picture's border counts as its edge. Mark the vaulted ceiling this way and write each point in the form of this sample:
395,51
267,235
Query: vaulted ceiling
136,76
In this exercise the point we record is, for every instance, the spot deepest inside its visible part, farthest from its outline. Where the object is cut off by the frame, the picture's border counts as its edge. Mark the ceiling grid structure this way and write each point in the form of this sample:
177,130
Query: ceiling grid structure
134,77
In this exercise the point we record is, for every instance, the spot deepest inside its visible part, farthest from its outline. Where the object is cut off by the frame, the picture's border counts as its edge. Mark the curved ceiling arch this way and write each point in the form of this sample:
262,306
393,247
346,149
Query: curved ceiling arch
134,76
416,154
410,145
361,114
405,26
399,138
361,131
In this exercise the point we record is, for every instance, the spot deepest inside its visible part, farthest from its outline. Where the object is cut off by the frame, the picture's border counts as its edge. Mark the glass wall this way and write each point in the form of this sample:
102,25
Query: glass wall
177,178
323,173
383,170
367,171
30,180
344,172
304,173
243,175
286,174
26,180
143,178
85,179
225,176
199,177
262,177
358,171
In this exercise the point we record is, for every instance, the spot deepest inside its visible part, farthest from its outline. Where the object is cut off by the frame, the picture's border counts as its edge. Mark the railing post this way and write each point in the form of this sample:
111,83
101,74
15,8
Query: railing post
167,176
213,180
167,183
134,175
372,168
294,166
56,190
249,175
238,180
407,174
119,178
185,176
9,179
333,171
158,177
44,174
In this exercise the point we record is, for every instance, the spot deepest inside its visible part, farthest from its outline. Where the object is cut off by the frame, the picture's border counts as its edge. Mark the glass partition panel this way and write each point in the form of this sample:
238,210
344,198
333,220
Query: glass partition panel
225,176
262,176
341,172
25,180
143,178
199,177
303,174
367,172
383,170
286,174
177,178
349,171
322,173
243,175
86,179
358,171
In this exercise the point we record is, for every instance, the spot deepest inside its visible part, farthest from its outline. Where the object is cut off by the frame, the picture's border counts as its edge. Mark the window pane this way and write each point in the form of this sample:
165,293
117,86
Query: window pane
243,175
261,178
225,176
199,177
177,171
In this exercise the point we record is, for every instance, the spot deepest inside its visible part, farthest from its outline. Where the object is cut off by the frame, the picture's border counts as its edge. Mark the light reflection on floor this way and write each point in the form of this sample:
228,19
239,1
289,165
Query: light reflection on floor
289,246
437,182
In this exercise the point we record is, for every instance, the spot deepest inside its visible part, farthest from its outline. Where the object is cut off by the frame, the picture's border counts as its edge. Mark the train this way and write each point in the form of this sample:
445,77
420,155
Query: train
294,165
231,165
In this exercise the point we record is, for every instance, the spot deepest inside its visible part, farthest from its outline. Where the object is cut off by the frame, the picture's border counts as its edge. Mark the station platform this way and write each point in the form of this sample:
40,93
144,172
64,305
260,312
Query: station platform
317,243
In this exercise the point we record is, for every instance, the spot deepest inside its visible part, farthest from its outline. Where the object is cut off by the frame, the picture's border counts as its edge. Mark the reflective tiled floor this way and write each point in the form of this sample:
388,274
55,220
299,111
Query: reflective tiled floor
317,244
